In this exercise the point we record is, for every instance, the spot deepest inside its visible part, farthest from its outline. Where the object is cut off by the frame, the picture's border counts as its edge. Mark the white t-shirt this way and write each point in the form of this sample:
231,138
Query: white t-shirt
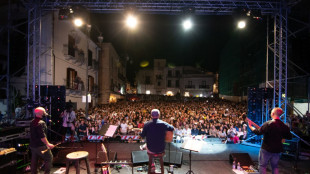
124,128
68,119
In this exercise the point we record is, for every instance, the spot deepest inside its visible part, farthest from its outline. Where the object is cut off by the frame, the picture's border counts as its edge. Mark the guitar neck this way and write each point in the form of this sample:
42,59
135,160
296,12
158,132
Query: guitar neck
254,124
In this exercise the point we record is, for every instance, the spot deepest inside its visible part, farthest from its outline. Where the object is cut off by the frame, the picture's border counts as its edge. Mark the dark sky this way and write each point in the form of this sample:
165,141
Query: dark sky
162,36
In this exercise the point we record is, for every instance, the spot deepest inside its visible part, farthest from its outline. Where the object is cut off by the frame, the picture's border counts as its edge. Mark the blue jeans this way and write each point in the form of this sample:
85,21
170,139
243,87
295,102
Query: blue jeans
265,157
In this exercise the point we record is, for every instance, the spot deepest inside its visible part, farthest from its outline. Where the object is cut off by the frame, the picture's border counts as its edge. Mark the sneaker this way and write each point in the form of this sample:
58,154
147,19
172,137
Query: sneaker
141,147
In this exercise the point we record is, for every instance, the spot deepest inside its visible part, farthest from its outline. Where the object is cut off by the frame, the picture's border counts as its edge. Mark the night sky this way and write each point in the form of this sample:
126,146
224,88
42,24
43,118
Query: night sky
162,36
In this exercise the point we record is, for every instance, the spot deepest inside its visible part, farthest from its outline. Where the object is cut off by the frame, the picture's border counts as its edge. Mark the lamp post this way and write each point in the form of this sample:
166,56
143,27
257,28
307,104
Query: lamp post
88,28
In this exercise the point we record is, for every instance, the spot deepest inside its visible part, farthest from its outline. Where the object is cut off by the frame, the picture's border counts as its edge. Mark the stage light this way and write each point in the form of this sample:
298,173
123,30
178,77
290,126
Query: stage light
241,24
78,22
131,21
187,24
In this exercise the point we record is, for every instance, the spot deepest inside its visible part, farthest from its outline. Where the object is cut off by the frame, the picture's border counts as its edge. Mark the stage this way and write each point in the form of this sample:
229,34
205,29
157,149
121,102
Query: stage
213,157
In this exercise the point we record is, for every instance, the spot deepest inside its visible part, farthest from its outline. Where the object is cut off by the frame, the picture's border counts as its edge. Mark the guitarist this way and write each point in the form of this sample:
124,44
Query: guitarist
274,131
39,142
155,132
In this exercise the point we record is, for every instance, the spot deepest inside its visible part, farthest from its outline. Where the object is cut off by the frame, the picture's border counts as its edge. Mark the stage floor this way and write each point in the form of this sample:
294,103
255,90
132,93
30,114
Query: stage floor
212,159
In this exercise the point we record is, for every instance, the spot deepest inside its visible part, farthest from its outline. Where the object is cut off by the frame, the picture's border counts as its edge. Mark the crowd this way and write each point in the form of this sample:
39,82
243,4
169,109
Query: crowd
208,118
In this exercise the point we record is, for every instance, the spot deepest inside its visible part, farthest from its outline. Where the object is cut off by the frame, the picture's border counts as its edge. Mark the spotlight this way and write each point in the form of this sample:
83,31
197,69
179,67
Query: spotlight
241,24
131,21
78,22
187,24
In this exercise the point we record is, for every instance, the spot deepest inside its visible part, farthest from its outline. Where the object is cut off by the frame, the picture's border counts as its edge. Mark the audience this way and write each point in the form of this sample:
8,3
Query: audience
211,118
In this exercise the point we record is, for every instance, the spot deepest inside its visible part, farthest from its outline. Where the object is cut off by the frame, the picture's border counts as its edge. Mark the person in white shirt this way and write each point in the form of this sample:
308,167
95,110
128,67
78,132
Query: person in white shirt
124,127
178,133
187,132
68,121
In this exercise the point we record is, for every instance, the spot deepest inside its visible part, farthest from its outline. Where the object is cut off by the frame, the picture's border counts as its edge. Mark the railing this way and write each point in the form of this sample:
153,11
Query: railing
190,86
69,53
204,86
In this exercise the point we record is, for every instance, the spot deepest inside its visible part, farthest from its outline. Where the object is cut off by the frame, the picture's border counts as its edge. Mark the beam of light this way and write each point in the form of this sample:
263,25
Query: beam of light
241,24
187,24
131,21
78,22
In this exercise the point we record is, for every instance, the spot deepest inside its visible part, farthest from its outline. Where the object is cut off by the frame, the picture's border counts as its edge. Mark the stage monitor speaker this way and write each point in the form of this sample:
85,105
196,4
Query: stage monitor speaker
176,158
139,157
243,158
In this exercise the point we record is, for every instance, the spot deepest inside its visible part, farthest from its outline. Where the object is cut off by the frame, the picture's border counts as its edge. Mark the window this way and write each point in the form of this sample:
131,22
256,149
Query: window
169,73
90,84
177,83
189,82
203,83
158,77
147,80
71,78
169,83
158,83
90,58
71,45
177,73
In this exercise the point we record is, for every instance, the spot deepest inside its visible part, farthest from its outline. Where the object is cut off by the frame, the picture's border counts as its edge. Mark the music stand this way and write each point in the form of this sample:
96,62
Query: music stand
191,145
107,131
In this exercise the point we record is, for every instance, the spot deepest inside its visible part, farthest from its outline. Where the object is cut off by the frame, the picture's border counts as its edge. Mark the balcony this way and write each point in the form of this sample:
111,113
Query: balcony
190,86
94,66
202,86
69,53
80,60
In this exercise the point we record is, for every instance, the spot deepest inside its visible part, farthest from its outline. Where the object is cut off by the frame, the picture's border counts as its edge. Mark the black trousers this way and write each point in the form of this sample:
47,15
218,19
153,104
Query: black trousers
36,154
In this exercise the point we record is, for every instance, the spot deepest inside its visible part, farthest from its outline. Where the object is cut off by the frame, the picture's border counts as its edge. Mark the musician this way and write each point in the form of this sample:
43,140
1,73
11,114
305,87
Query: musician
274,131
68,119
155,133
39,142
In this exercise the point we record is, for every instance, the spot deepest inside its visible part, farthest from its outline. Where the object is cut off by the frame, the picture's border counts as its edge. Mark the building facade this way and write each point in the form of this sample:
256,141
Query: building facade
112,75
180,80
66,50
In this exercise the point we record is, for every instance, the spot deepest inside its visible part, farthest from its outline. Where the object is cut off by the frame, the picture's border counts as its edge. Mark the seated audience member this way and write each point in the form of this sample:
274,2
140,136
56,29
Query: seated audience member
83,130
213,131
187,132
141,124
236,138
202,131
194,131
222,133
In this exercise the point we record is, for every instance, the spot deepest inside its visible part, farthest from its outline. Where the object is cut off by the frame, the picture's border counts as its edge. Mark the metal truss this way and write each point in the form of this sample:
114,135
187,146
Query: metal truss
215,7
274,8
279,49
34,50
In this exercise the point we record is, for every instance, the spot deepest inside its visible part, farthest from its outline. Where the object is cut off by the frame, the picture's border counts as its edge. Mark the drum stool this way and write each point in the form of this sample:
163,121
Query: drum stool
77,157
152,156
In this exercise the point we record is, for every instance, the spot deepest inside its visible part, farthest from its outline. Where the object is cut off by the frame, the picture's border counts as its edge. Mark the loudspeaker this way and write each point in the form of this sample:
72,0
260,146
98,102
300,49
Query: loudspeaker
139,157
176,158
243,158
